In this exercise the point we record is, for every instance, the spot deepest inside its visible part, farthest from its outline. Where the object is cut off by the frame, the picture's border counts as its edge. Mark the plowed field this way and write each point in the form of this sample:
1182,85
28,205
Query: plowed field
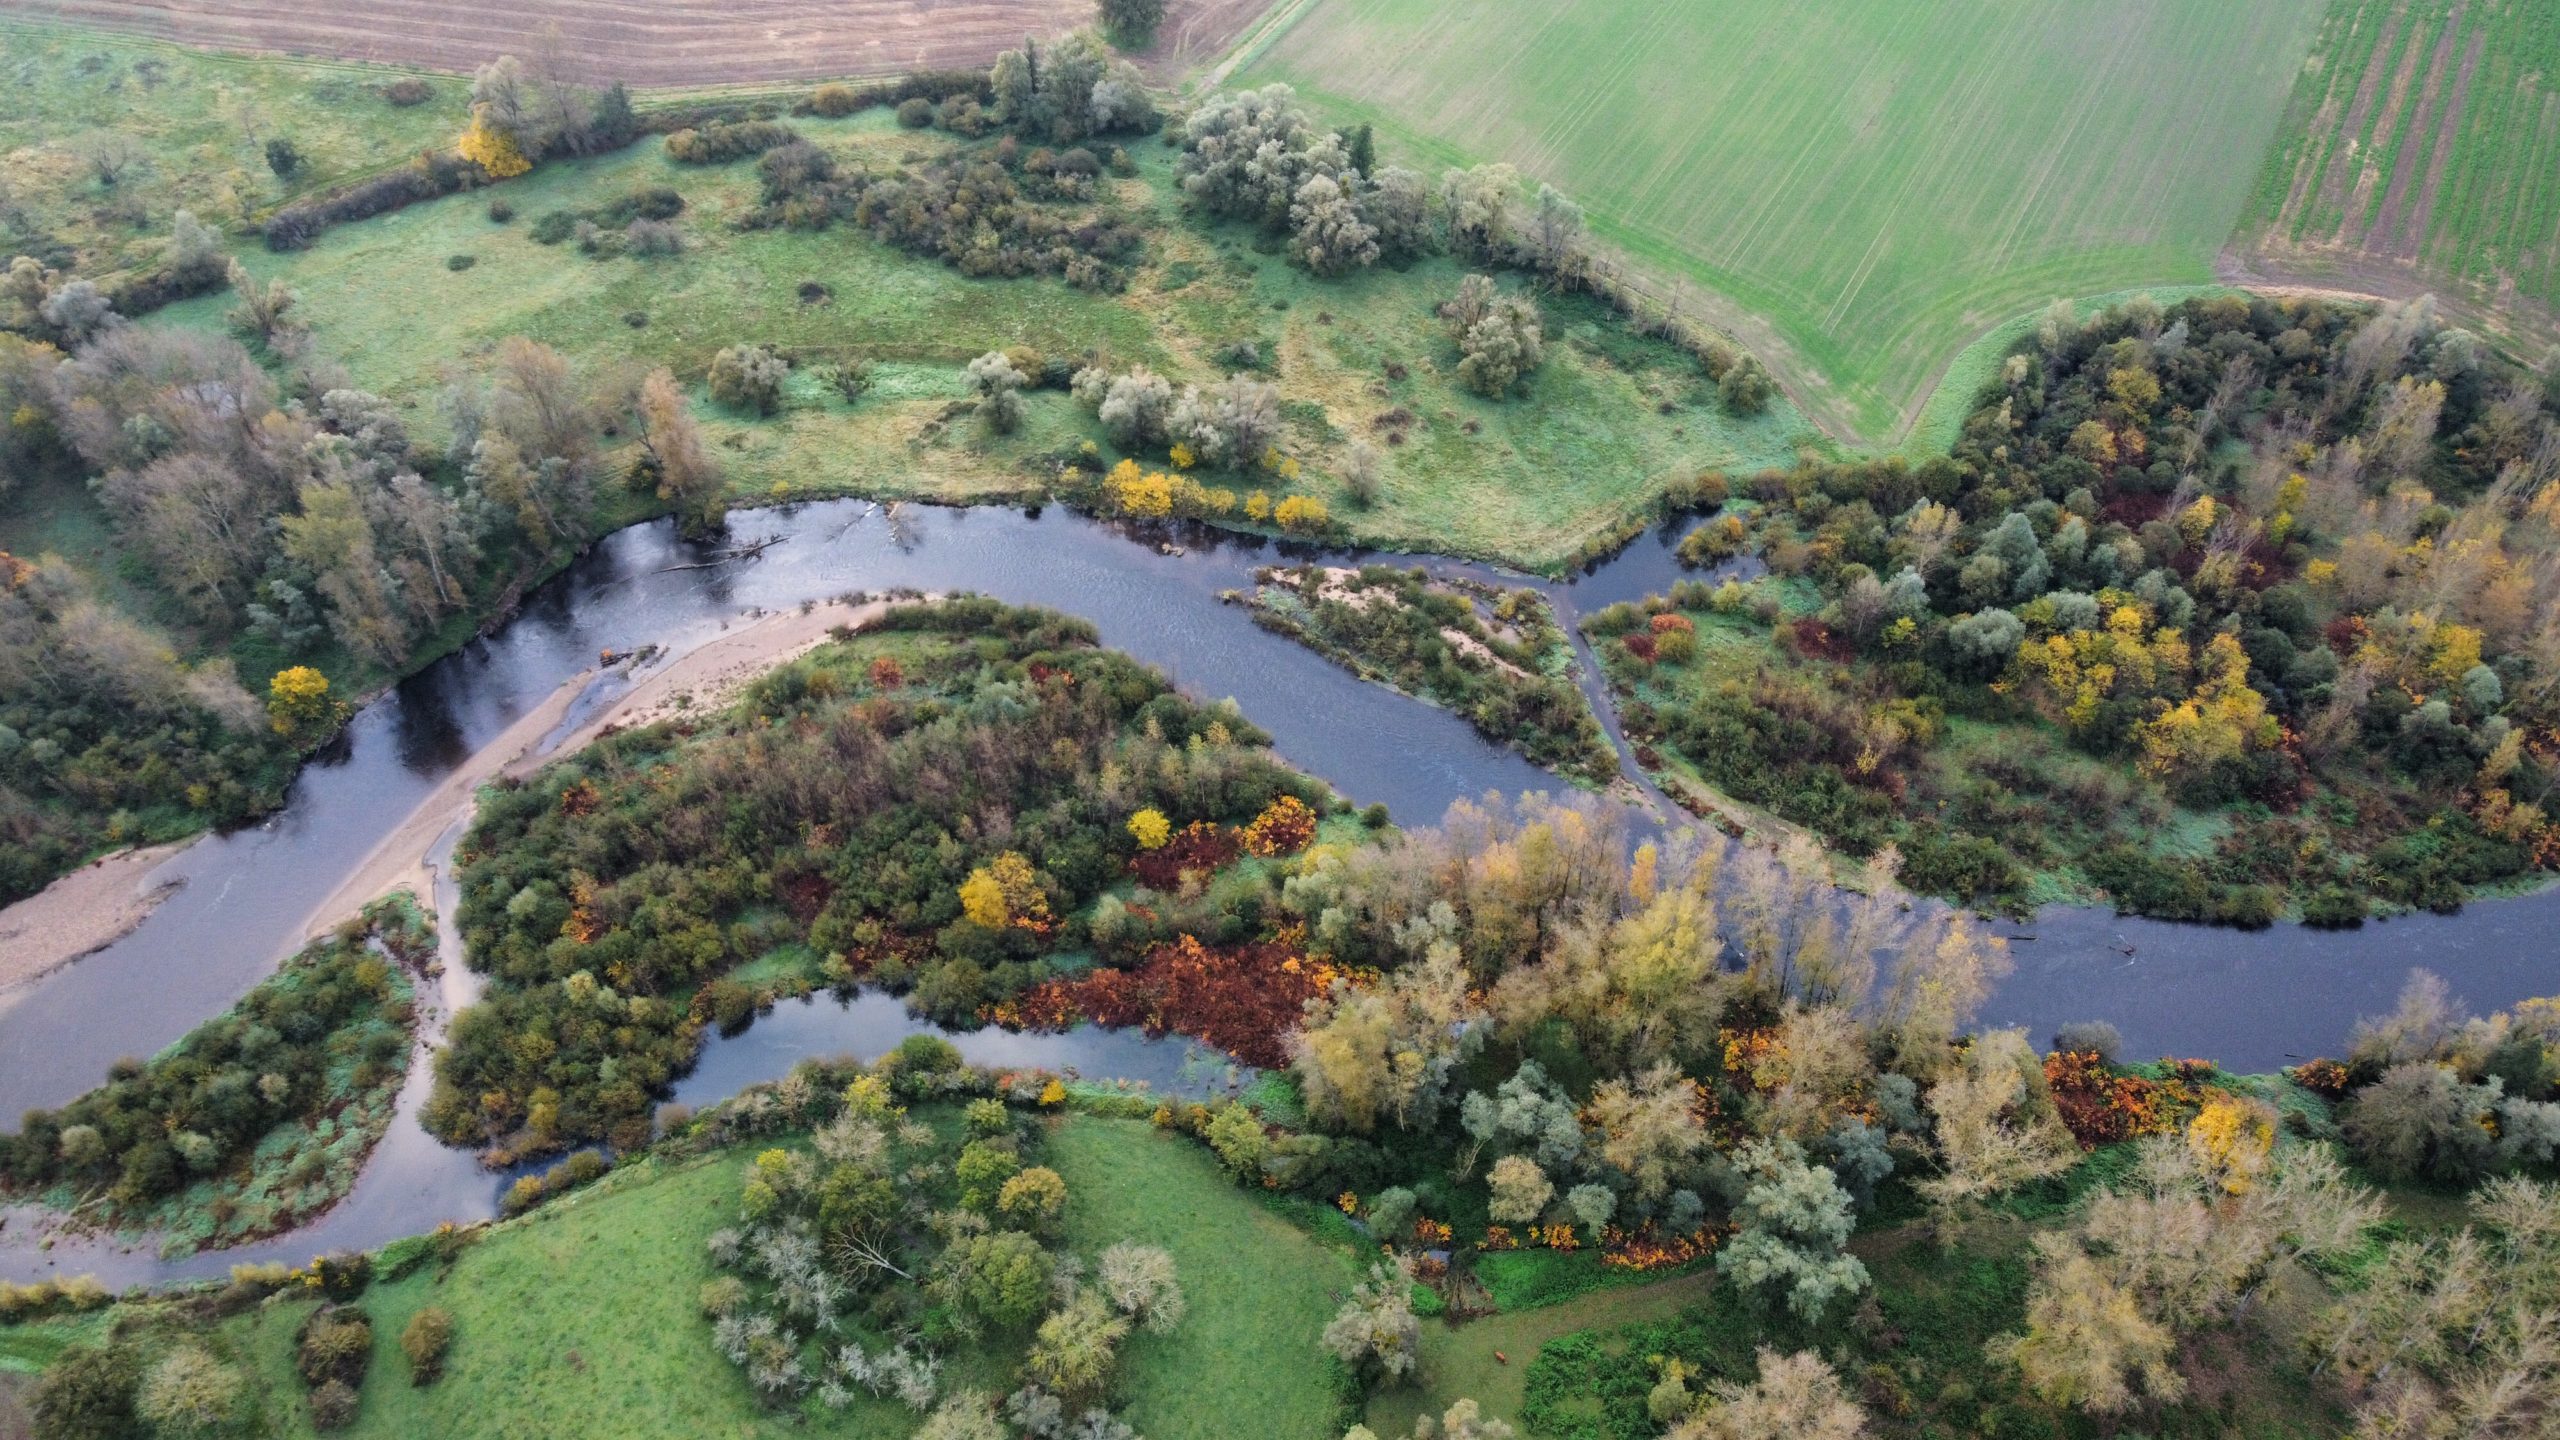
650,42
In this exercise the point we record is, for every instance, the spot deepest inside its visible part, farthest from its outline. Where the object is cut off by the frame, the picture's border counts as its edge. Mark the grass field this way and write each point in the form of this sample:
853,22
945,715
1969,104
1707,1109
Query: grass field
1859,187
200,124
2422,147
1611,418
582,1320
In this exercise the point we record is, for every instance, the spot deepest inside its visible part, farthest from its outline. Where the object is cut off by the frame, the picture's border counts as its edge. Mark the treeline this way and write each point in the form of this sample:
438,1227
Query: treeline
2262,551
327,1033
291,522
932,808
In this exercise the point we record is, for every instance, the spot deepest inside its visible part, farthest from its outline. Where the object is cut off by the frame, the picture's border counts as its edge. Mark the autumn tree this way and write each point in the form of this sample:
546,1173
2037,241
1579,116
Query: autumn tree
749,378
672,442
2086,1344
1996,1127
1792,1397
1375,1332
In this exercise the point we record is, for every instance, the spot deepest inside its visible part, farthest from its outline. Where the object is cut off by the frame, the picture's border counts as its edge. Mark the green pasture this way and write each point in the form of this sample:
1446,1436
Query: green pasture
197,125
1861,187
1610,419
581,1319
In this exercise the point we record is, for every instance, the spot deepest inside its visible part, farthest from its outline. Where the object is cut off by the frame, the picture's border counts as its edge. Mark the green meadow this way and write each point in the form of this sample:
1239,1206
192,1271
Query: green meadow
196,126
1857,189
584,1312
1611,419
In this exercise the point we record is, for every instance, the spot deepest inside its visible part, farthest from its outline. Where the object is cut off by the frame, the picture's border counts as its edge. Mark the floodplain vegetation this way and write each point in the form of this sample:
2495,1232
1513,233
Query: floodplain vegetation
1492,653
1817,1198
2222,611
252,1123
969,804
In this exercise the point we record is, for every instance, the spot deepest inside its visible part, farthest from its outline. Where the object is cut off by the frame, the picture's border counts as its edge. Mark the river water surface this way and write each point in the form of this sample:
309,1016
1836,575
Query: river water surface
2252,1000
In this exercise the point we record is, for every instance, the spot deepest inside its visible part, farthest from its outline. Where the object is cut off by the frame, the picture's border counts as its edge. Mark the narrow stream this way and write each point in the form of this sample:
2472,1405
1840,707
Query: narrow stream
2252,1000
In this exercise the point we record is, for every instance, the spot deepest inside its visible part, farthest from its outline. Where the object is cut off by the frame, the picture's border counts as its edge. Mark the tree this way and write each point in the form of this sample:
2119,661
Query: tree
1397,205
1140,1283
298,702
79,312
1246,155
1230,423
749,377
1034,1198
1499,352
1795,1223
87,1393
687,478
1521,1190
1136,408
1651,1128
2086,1344
999,1278
1150,829
1076,1347
2421,1119
424,1340
110,155
1329,235
262,311
1131,24
1794,1397
1555,232
1996,1129
963,1415
1746,388
189,1393
999,386
1477,205
195,260
1375,1332
283,157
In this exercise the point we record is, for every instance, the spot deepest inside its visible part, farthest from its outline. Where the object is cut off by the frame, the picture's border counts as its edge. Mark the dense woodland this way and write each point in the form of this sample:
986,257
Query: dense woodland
936,808
1553,1060
2285,561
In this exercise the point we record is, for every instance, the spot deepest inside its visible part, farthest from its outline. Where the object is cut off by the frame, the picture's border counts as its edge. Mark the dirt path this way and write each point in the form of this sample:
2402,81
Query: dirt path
700,679
86,910
665,43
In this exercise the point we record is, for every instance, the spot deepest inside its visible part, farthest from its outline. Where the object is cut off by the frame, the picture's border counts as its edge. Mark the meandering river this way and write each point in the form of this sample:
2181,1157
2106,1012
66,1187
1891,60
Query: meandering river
2251,1000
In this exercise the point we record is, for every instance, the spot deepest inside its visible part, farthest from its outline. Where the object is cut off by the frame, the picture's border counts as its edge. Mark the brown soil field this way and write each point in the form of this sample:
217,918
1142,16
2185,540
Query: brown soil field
653,43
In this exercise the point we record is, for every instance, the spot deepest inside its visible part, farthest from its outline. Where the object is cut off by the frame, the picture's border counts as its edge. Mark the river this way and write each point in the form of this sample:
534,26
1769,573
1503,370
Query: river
2251,1000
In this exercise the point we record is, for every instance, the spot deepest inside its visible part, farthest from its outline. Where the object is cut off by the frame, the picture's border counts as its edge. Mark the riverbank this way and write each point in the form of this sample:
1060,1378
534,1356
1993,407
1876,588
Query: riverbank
81,913
699,679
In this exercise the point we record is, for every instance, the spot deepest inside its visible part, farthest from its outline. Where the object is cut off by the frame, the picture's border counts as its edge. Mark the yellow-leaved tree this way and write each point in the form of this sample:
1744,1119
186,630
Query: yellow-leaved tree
492,149
1150,829
1002,892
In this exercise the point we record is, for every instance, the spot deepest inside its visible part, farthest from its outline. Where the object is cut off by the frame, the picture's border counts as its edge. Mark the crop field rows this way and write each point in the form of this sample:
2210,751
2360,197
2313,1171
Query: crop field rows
689,44
1881,182
2424,138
